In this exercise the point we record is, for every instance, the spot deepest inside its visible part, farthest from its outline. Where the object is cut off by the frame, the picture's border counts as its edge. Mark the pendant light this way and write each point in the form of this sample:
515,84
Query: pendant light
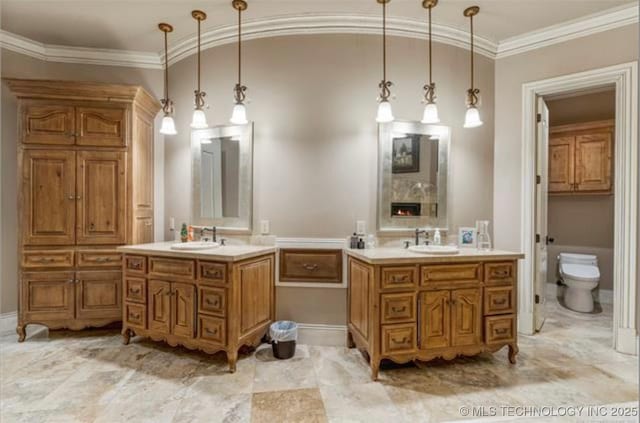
199,120
472,117
430,114
239,115
168,126
385,114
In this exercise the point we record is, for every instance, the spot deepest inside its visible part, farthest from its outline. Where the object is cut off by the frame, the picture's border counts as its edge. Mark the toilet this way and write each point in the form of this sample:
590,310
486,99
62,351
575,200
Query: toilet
580,274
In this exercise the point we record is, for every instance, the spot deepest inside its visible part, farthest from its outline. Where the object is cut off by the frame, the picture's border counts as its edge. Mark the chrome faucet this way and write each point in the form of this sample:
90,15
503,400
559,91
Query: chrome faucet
426,235
213,230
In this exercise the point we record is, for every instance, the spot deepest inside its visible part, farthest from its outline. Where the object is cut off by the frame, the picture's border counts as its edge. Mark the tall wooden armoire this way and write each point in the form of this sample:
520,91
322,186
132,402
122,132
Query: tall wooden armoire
85,186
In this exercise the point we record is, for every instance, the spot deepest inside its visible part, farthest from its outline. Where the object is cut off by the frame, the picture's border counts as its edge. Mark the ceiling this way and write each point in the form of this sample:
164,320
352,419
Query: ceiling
132,24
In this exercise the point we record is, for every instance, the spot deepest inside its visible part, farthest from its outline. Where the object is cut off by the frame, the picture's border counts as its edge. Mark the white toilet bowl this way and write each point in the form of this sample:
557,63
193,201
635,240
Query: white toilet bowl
580,274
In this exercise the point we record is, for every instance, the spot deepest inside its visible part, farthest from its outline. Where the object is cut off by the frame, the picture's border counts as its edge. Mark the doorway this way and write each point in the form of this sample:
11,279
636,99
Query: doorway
625,158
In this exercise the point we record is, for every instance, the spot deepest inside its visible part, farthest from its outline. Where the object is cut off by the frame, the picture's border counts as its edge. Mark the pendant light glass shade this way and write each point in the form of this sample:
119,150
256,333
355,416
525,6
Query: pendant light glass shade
168,126
239,115
472,118
199,120
385,113
430,114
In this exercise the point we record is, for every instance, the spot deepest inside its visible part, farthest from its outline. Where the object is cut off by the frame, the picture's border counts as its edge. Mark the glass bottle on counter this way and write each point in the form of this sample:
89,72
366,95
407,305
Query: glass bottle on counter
484,239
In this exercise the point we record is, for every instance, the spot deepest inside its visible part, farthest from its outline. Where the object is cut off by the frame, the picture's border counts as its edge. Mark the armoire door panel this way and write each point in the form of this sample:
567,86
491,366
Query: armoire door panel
561,164
361,285
47,295
98,294
183,309
48,197
435,323
256,295
101,191
593,162
159,293
466,317
101,126
48,124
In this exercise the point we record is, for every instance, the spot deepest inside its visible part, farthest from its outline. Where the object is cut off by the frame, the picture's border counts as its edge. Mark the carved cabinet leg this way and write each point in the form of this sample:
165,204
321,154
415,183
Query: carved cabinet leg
126,336
232,359
350,343
513,351
375,367
21,330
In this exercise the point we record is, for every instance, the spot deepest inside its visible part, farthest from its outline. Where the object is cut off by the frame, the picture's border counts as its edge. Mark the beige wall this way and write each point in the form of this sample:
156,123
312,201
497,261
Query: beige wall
313,100
582,224
19,66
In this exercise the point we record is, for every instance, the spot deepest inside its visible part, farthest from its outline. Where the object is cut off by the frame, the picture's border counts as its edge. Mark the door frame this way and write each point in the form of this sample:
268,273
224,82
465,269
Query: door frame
625,78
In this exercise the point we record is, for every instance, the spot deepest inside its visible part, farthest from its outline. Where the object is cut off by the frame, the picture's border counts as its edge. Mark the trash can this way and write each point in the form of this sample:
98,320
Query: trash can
284,335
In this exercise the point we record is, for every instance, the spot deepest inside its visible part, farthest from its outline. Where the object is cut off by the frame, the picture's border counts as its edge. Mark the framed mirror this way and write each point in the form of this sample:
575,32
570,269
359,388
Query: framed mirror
222,177
413,167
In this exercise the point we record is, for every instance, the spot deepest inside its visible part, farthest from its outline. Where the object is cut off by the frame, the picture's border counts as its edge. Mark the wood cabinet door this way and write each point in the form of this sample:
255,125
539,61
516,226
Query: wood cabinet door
48,197
561,164
183,309
50,124
435,319
101,126
47,296
360,288
257,294
99,295
593,162
101,184
466,317
159,293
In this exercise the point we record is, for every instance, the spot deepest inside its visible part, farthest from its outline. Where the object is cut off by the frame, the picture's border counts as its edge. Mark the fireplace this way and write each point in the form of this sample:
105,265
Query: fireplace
405,209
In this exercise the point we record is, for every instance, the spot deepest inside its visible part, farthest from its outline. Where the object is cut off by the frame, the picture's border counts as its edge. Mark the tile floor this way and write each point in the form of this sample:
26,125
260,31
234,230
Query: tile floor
91,377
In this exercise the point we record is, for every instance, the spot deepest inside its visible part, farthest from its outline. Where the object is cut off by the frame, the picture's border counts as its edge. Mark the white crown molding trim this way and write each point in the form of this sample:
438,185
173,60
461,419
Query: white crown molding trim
80,55
565,31
312,24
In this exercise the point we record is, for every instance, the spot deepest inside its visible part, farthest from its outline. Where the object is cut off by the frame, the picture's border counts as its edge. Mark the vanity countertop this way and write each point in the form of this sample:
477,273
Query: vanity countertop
400,255
225,253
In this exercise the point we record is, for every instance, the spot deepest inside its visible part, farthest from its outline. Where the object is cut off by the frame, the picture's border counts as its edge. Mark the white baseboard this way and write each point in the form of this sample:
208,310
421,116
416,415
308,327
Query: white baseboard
627,341
525,323
325,335
8,321
604,296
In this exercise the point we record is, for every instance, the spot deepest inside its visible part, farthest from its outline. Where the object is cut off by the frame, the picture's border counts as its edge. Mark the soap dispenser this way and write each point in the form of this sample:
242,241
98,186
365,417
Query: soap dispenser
437,238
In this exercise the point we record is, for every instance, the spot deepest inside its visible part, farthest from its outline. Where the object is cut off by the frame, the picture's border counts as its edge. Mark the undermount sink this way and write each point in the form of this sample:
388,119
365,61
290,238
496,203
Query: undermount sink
194,245
434,249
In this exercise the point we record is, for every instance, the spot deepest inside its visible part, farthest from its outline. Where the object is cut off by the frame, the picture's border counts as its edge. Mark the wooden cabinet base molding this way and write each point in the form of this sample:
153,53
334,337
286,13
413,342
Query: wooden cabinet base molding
226,307
454,309
85,167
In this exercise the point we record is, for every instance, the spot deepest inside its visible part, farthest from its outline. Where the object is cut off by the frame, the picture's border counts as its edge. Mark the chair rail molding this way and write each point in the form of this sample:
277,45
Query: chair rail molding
326,24
625,266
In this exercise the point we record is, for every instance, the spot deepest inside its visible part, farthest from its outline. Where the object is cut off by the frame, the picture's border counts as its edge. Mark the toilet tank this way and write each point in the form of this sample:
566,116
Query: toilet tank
571,258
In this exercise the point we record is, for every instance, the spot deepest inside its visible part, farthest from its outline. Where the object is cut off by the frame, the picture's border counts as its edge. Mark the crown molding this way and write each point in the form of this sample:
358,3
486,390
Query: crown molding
81,55
565,31
311,24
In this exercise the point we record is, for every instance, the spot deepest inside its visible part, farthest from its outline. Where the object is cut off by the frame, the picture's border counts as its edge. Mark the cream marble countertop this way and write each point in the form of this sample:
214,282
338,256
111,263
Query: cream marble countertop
224,253
402,255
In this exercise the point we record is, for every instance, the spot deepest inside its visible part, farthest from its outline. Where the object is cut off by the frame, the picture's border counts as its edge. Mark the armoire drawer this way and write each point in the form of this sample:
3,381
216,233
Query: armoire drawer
167,267
135,289
499,300
98,258
398,339
500,329
499,272
212,329
399,277
305,265
398,308
212,300
135,264
135,315
452,273
212,272
51,258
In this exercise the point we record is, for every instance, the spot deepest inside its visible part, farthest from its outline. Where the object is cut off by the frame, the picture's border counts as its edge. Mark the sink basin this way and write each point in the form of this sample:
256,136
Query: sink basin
194,246
434,249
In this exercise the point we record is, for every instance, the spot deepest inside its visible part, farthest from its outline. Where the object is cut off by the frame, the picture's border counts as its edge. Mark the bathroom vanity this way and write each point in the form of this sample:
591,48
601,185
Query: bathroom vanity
405,306
219,299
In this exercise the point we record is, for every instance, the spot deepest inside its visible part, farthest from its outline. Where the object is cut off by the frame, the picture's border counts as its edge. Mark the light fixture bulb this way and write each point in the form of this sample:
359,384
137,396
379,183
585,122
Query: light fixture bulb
168,126
385,114
472,118
239,115
199,120
430,114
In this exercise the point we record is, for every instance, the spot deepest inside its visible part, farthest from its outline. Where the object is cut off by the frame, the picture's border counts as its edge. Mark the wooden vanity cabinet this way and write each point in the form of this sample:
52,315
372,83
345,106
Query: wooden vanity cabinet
85,166
200,304
404,312
581,158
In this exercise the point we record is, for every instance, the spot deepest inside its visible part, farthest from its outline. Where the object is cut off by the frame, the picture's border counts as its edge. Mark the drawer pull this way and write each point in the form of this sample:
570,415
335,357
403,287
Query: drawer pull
44,260
103,259
211,331
210,302
402,342
135,265
396,278
501,301
501,331
213,274
399,309
134,290
310,267
134,316
500,273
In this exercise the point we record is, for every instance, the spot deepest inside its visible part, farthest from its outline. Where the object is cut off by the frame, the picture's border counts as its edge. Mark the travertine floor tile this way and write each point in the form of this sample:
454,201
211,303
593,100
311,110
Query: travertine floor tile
300,405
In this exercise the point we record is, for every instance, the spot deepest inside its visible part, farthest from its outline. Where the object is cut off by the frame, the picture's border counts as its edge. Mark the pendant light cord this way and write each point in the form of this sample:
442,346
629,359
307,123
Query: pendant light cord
239,46
384,42
166,69
430,61
198,55
471,18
